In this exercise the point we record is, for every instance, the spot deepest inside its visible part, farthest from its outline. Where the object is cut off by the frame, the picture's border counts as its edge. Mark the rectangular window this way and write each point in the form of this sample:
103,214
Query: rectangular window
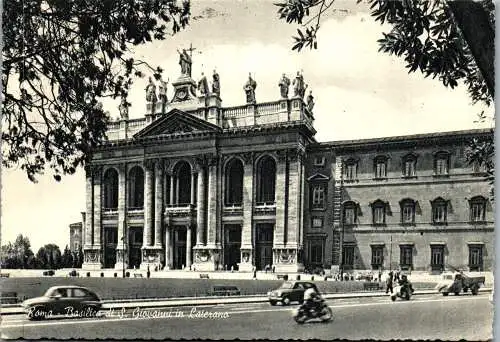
409,169
349,215
475,257
316,252
348,257
351,172
76,246
317,222
319,161
441,166
437,258
379,215
381,170
377,257
318,197
406,256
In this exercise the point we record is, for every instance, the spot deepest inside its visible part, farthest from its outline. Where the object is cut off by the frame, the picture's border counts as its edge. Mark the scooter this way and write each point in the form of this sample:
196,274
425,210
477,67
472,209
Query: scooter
324,313
402,292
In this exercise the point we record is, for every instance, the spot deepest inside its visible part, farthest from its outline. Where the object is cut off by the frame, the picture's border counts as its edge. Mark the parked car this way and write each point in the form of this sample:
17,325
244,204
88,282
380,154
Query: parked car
72,301
290,291
458,282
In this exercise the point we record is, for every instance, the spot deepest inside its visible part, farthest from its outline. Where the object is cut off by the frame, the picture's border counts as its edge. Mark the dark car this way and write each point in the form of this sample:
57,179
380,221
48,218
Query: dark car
71,301
290,291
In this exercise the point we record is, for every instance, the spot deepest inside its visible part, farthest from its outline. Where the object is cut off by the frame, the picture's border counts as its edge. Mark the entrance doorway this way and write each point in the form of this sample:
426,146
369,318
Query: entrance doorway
134,247
264,245
232,245
110,240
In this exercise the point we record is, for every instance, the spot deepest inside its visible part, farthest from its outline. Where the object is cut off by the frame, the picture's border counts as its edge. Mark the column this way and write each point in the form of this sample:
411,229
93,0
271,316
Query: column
212,202
148,205
246,232
281,188
97,207
172,189
167,247
193,187
87,235
122,191
200,206
158,202
188,246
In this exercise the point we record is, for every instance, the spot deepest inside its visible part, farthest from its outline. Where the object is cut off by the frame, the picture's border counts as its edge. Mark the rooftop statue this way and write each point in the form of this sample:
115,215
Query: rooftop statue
284,86
162,91
310,101
299,86
203,85
216,83
123,108
151,91
250,89
185,62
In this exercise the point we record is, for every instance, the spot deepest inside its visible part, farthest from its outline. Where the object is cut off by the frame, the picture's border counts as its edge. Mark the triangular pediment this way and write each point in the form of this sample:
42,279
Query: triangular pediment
176,122
318,177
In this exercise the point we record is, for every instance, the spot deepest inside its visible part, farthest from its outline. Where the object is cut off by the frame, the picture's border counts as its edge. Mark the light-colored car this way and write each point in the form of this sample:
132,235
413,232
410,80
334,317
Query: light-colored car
72,301
459,282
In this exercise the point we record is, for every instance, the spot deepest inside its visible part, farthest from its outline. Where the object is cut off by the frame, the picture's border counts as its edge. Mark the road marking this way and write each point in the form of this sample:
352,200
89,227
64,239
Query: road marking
274,309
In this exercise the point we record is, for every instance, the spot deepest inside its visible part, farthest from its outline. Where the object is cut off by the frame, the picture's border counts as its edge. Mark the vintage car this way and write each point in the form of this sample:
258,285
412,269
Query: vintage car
459,282
290,291
73,301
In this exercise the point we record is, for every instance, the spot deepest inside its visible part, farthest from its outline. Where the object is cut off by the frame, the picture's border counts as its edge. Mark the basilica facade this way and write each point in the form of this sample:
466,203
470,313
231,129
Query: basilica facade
195,185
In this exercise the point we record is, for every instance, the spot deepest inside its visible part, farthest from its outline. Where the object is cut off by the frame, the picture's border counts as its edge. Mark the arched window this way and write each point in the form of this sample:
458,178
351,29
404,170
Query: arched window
350,213
110,191
439,211
477,206
379,209
136,188
407,211
234,183
266,180
183,173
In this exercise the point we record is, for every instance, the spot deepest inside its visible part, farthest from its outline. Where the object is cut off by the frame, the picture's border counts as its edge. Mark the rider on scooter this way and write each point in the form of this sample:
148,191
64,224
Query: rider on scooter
312,299
405,283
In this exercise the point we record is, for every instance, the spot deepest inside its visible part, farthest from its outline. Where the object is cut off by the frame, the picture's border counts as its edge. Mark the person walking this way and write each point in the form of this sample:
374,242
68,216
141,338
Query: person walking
389,282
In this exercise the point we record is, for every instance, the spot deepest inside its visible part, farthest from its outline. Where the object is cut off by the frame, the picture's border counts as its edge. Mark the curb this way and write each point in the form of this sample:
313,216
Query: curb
174,302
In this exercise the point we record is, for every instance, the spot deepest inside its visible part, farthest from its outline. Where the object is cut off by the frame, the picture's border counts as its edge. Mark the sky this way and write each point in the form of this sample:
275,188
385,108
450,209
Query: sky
359,93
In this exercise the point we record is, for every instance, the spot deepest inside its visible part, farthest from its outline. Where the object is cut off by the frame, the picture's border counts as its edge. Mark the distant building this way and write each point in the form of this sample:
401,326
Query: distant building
75,235
195,184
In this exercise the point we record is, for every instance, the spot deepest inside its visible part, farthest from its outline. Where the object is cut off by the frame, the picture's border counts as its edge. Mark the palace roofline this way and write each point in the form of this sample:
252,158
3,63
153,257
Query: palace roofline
403,139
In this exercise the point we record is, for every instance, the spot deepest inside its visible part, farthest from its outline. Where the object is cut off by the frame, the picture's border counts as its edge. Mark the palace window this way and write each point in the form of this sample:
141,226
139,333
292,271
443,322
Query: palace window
377,257
439,211
477,209
136,188
379,209
234,183
266,180
350,211
476,258
380,167
351,169
406,256
317,222
409,166
348,257
319,161
441,163
316,248
437,257
318,196
407,211
110,191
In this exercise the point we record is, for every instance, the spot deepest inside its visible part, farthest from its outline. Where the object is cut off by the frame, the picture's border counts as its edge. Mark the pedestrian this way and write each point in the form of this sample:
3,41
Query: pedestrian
254,272
379,275
148,273
389,283
274,268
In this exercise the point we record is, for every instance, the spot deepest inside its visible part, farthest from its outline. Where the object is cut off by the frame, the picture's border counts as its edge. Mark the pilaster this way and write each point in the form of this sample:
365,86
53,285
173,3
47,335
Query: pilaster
246,231
92,252
158,203
280,200
212,216
89,205
150,256
200,206
122,242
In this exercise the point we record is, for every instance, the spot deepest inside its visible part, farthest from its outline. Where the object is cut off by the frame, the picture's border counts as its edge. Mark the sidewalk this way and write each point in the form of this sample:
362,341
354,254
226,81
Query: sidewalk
172,302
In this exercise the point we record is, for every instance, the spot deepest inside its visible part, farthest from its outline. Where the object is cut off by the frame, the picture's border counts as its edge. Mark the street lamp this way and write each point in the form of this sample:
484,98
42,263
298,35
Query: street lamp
390,255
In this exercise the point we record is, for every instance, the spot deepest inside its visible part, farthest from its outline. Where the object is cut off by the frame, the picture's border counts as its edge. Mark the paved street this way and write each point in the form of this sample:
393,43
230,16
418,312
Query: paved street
424,317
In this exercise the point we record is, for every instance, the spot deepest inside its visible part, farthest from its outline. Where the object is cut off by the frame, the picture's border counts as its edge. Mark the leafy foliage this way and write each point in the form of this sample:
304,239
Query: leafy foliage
60,58
17,254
